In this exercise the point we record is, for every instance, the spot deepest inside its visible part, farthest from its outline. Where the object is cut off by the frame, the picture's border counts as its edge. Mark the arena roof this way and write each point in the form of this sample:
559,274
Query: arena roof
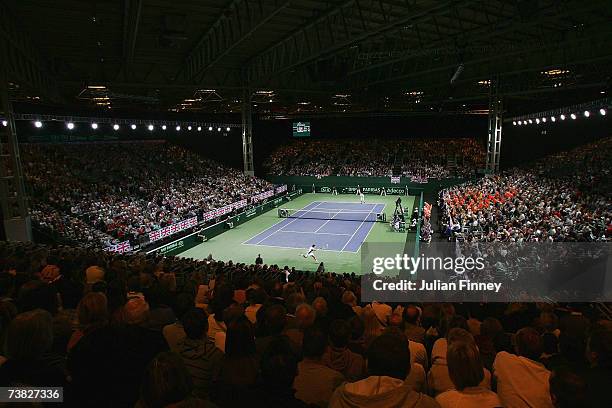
306,55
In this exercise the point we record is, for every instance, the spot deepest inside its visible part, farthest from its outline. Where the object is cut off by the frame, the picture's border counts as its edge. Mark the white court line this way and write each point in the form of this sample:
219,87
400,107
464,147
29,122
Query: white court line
281,228
282,247
325,223
272,226
317,233
360,225
348,202
370,230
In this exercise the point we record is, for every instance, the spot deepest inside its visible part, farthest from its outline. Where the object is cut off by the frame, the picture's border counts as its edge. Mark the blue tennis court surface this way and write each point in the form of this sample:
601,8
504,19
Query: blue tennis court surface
331,226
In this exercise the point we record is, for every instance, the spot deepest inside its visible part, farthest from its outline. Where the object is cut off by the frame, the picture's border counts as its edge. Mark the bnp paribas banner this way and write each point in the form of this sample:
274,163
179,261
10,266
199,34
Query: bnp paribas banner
365,190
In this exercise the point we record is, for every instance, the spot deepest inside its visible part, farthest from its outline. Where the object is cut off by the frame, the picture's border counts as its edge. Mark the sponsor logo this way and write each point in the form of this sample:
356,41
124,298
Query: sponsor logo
395,190
250,213
171,247
326,190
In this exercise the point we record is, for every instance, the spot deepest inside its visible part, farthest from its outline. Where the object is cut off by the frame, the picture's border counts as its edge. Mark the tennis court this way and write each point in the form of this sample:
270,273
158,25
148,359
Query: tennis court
285,249
331,226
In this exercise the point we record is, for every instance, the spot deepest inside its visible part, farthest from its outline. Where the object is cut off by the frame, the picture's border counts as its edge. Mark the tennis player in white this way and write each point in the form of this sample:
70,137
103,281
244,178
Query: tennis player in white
311,252
362,197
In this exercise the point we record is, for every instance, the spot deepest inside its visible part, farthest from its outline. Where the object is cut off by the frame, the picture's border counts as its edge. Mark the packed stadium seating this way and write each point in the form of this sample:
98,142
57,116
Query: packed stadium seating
244,335
416,158
563,197
96,194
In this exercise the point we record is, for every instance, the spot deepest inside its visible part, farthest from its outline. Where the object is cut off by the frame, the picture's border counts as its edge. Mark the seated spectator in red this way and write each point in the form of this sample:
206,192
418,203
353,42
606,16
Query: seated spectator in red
388,362
522,380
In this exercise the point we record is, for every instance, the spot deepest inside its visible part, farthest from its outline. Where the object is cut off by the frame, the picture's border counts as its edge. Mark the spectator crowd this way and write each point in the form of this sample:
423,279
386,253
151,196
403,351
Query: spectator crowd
563,197
96,194
150,331
420,159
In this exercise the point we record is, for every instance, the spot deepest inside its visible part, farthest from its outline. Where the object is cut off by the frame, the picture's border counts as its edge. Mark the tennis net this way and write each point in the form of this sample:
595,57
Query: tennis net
336,215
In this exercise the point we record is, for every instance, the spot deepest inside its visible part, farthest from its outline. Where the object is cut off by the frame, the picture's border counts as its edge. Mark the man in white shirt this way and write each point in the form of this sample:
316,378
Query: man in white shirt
522,381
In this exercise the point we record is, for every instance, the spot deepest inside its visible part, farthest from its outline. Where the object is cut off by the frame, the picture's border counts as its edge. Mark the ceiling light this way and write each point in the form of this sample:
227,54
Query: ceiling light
94,126
116,126
133,127
70,125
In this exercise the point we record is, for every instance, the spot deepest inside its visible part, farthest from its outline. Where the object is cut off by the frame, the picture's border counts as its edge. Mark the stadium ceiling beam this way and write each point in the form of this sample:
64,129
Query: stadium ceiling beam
188,86
131,22
236,23
23,63
573,45
583,52
331,32
497,26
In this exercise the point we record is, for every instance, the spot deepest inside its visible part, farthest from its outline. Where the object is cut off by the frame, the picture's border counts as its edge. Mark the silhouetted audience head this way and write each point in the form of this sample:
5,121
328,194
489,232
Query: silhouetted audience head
275,318
567,389
195,323
339,333
529,343
240,340
166,381
93,309
464,364
29,335
389,355
314,343
279,365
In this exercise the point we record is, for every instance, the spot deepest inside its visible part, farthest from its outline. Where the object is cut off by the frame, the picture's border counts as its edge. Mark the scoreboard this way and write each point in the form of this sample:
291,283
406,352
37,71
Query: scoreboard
301,129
